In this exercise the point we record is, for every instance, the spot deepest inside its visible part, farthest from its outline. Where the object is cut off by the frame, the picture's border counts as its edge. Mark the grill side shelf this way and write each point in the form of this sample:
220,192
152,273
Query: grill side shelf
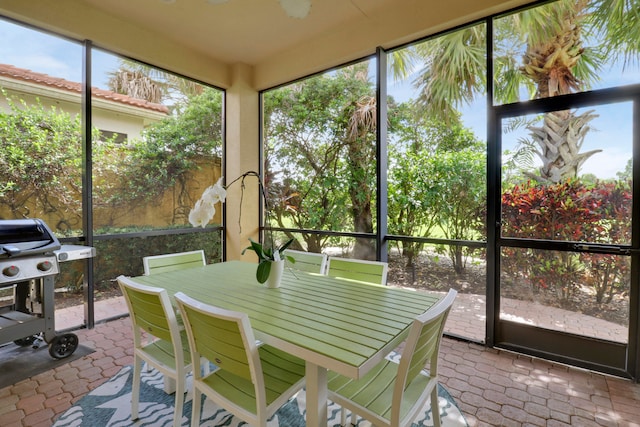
15,325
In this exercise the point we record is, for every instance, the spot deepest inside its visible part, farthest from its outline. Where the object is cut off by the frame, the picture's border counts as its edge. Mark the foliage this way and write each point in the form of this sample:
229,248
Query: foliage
40,162
168,150
547,211
123,255
322,130
627,173
575,212
461,196
454,70
608,275
42,151
620,21
320,155
539,51
436,181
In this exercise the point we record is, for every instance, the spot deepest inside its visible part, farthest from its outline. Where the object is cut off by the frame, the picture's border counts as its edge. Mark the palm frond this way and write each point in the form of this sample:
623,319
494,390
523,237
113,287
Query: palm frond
515,123
402,63
454,70
523,157
619,20
540,24
588,69
363,119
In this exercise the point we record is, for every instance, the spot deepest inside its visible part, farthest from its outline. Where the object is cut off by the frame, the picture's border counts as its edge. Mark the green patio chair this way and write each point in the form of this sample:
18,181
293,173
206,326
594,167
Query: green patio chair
252,382
356,269
157,341
170,262
310,262
393,394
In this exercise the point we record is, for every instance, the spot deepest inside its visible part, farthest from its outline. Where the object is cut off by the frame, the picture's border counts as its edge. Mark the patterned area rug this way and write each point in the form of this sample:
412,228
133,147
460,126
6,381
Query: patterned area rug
110,406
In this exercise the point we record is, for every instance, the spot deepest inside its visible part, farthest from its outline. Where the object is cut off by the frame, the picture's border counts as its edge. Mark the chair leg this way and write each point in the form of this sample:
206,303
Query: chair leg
343,417
435,409
135,387
196,407
169,385
177,416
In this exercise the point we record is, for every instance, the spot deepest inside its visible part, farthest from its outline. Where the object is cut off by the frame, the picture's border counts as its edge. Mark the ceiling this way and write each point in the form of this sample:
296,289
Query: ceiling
209,39
238,31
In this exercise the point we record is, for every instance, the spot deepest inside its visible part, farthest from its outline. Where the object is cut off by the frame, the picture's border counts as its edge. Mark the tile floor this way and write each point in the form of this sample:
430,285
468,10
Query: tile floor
492,387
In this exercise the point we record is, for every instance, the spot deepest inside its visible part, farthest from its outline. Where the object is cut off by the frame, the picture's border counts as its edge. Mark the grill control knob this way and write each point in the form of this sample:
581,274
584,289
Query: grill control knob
11,271
45,266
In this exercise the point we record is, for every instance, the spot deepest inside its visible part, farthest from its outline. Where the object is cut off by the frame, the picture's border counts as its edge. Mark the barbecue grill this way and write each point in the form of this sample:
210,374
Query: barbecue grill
29,264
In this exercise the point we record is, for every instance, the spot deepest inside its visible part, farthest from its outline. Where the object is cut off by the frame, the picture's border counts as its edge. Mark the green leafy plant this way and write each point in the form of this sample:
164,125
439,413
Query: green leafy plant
575,212
266,256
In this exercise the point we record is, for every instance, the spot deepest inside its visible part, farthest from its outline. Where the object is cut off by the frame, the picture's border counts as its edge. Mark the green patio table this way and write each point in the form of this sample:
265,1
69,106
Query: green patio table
333,324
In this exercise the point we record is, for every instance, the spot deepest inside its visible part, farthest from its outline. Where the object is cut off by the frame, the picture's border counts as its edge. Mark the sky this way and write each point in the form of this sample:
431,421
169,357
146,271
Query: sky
40,52
25,48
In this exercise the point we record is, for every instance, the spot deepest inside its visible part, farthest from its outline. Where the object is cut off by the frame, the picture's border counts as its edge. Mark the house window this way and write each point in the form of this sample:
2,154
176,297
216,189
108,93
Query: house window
117,137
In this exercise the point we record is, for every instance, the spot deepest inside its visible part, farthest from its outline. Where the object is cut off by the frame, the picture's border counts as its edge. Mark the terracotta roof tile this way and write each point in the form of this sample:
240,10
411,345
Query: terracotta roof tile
60,83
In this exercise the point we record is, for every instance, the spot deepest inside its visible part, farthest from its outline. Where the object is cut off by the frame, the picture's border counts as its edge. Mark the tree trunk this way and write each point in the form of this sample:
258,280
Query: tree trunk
360,157
559,141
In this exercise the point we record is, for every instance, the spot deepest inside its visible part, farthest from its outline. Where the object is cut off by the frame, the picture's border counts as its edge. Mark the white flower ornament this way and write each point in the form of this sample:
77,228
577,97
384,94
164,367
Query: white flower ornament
204,209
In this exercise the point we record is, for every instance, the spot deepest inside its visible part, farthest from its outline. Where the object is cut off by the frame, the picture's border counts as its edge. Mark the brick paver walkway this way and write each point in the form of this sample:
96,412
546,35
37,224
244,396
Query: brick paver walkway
492,387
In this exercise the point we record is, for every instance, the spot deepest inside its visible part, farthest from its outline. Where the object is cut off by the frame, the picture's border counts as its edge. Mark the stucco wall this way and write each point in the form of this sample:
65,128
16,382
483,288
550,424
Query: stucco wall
170,210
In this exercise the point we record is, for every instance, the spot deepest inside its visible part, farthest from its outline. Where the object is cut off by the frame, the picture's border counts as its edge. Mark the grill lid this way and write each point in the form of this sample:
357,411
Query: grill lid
23,237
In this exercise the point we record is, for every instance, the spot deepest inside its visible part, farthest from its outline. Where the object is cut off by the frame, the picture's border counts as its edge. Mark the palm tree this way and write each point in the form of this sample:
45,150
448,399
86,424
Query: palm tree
360,151
554,63
151,84
136,84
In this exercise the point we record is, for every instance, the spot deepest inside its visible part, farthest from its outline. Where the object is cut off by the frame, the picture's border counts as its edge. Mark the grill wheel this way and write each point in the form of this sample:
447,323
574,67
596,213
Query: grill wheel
63,346
26,341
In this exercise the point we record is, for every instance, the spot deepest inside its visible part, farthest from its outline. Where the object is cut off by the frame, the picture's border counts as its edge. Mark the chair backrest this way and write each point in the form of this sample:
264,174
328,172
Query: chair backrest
422,346
151,311
357,269
170,262
310,262
225,338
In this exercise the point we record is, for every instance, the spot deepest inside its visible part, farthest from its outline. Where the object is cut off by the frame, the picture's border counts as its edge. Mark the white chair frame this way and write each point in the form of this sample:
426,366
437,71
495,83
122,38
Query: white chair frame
169,358
357,270
253,358
421,343
174,261
310,262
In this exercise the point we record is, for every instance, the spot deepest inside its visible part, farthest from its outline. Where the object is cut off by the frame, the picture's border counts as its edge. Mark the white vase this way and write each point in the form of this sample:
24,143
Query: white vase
275,275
